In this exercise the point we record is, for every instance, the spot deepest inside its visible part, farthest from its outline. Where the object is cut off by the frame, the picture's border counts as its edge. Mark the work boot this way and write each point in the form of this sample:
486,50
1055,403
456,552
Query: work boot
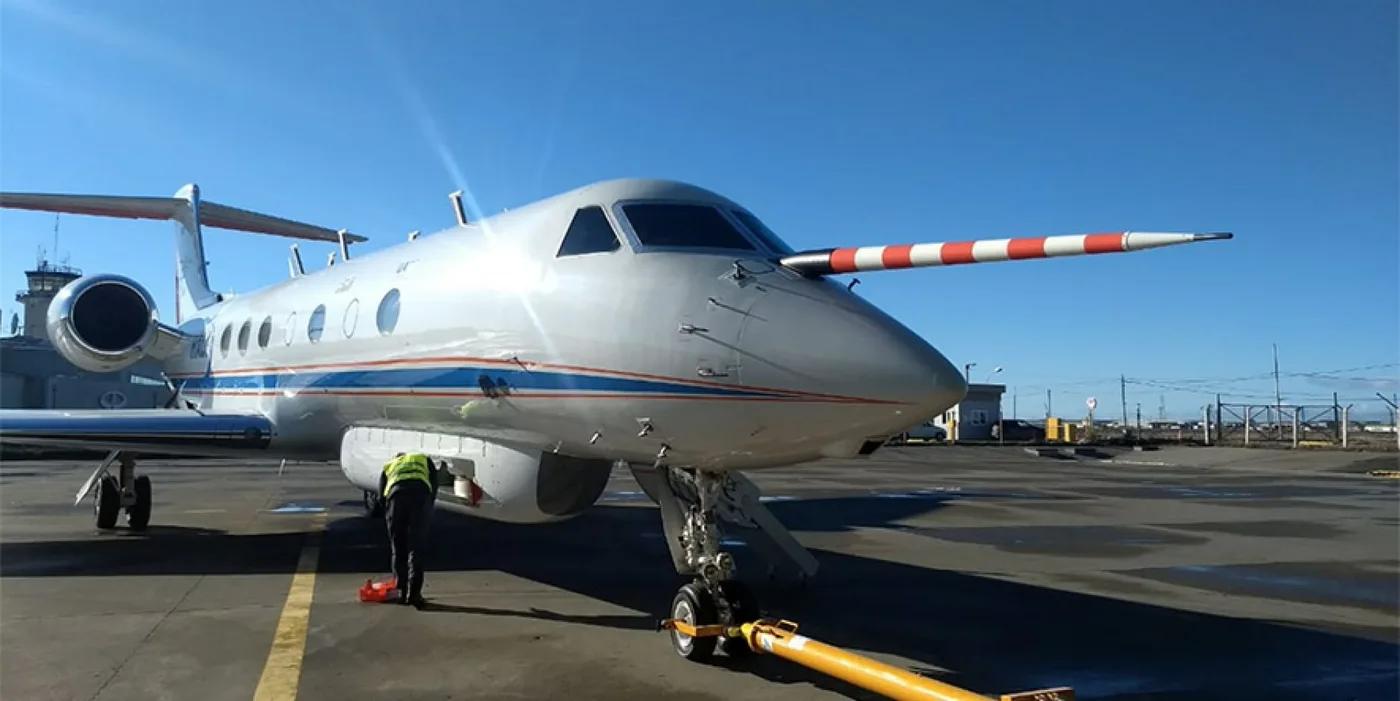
417,600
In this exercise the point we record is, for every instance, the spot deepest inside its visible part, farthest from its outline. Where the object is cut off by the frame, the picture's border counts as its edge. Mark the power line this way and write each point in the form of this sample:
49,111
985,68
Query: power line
1268,375
1259,395
1218,380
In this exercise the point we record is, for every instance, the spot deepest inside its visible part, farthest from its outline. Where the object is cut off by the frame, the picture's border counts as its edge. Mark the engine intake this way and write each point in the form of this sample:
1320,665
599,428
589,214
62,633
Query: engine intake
106,323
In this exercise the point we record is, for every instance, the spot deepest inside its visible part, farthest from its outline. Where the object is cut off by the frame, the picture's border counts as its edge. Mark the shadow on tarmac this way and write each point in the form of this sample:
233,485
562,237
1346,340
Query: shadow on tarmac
973,631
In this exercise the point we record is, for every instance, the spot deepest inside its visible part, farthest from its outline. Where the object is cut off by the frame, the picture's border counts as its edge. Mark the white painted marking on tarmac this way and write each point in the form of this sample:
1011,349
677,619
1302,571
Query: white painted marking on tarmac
295,508
624,496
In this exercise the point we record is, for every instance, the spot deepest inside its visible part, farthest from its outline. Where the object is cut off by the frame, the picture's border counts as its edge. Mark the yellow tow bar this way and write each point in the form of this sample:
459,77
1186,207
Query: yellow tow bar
780,638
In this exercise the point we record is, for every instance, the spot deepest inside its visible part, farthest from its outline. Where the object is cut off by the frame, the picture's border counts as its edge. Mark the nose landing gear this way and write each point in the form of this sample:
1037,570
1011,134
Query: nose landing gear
714,597
728,603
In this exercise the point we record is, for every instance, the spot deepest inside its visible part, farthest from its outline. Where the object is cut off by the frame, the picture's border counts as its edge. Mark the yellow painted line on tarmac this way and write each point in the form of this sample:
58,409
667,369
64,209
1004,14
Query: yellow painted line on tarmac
282,673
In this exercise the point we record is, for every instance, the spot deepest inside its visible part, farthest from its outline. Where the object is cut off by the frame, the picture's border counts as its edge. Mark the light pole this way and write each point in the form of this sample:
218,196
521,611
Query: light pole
1001,428
958,417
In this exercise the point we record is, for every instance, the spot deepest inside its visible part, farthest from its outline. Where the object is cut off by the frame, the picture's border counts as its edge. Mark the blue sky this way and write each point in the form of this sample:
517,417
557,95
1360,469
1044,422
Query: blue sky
839,126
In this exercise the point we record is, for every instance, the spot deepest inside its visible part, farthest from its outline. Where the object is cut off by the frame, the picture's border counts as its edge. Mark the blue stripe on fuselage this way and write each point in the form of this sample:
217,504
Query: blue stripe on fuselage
459,378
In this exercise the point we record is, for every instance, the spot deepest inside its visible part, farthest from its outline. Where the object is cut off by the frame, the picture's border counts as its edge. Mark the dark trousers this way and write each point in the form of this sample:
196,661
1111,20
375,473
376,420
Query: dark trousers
407,517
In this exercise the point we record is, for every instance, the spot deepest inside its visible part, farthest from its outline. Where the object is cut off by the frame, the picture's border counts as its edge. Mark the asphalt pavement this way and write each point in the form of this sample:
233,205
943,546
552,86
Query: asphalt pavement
1180,574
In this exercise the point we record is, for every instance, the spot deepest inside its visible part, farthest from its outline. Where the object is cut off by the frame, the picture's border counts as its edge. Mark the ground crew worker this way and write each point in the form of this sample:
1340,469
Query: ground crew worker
409,486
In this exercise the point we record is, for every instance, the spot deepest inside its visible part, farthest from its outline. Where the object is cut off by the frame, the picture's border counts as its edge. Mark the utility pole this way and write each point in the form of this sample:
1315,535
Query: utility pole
1394,414
1048,411
1123,394
1014,415
1337,416
1278,396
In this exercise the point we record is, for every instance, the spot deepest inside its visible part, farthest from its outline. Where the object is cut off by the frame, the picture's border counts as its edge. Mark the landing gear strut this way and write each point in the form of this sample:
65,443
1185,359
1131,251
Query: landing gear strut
125,491
691,502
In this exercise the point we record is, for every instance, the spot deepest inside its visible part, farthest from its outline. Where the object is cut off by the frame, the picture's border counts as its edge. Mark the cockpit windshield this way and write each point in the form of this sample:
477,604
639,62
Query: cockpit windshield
589,232
762,232
676,225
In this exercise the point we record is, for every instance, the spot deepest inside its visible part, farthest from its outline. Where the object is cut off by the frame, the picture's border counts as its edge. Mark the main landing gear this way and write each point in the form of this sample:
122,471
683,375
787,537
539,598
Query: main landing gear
126,491
692,501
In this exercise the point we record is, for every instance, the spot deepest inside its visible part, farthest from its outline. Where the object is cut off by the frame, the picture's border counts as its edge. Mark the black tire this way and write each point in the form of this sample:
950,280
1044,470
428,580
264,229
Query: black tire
108,503
138,515
743,606
694,605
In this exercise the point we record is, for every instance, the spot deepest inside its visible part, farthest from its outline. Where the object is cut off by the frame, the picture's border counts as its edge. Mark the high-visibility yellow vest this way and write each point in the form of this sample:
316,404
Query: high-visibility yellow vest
406,467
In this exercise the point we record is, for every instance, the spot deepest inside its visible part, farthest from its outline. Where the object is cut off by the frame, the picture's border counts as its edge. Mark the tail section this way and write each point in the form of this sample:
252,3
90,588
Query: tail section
189,214
192,291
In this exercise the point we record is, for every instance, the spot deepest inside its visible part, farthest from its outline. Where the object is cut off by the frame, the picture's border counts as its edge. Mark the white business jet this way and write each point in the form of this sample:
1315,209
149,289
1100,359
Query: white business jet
646,322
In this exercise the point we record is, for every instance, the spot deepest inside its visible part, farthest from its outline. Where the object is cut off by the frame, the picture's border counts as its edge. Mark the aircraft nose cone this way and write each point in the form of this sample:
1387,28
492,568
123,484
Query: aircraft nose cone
903,367
834,344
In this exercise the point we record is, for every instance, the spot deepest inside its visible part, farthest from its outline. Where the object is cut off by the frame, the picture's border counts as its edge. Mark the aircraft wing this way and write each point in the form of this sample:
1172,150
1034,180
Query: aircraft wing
166,431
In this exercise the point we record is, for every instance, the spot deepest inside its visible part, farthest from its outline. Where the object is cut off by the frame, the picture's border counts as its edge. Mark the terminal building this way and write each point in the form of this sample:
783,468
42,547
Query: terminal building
33,375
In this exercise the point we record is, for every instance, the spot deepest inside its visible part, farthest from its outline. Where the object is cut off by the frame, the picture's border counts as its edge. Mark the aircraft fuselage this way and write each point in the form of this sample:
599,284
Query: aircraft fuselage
720,355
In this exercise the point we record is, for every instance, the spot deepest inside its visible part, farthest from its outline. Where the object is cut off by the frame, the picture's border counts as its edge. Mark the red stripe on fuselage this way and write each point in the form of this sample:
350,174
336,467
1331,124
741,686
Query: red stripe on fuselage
529,365
515,396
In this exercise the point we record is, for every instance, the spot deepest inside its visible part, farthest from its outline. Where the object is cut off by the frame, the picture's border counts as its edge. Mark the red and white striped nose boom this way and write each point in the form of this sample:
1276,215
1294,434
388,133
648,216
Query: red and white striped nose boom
834,261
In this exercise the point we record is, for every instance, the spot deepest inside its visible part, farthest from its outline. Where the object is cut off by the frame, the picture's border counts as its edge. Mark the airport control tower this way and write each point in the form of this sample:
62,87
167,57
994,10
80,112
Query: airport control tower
45,280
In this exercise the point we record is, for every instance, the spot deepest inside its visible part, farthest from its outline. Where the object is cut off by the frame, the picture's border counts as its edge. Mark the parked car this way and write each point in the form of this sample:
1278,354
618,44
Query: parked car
925,431
1020,430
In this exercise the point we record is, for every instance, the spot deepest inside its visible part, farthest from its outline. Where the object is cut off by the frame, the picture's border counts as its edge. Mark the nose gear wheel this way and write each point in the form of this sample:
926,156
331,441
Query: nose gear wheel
699,604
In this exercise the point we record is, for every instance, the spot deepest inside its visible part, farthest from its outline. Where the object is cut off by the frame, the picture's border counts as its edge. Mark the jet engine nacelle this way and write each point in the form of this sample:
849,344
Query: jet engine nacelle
495,481
106,323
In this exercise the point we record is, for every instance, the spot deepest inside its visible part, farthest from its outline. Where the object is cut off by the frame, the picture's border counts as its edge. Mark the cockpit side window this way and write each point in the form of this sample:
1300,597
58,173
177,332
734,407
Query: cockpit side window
589,232
762,232
683,226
